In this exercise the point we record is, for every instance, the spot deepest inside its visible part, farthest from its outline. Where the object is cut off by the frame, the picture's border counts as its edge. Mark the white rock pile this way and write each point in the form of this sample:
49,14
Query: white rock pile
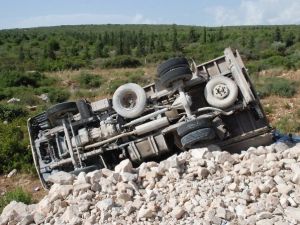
259,186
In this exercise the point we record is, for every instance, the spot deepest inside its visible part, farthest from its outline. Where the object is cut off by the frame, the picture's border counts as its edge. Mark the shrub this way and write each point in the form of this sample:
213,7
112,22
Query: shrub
87,80
18,195
127,77
288,124
57,95
113,85
121,62
10,112
19,78
14,151
275,86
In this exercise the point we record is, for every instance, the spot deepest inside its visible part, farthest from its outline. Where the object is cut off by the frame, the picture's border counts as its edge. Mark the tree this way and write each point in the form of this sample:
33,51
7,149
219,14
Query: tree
49,53
160,47
151,43
140,44
21,54
99,49
192,37
277,35
251,43
54,45
204,35
290,39
86,53
120,49
243,40
220,35
175,44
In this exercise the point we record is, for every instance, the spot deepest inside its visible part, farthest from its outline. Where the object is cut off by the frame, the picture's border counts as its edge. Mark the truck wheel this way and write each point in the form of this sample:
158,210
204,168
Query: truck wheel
204,134
129,100
180,73
193,125
221,92
59,111
171,64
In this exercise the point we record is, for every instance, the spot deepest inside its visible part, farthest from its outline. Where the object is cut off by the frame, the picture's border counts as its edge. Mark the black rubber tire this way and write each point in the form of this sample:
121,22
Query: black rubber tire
171,64
203,135
180,73
193,125
58,111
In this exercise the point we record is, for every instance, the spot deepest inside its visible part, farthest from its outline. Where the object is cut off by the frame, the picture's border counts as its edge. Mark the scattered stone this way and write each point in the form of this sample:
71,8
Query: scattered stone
144,213
11,173
105,204
178,212
13,100
61,177
200,186
292,213
124,166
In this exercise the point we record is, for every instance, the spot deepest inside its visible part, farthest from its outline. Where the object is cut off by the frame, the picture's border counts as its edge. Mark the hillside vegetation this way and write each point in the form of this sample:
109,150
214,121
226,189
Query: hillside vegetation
89,61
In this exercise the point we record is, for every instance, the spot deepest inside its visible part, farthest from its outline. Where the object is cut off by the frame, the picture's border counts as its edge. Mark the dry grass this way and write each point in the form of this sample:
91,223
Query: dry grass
281,107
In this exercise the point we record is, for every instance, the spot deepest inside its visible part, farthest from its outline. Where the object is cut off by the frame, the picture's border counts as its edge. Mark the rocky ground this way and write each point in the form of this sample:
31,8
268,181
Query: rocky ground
202,186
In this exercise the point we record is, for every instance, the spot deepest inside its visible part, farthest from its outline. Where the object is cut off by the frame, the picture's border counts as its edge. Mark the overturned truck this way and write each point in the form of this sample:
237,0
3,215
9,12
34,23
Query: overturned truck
189,105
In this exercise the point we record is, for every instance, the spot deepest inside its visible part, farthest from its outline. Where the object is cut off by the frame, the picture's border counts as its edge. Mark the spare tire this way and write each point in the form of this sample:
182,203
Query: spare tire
193,125
201,135
171,64
129,100
221,92
180,73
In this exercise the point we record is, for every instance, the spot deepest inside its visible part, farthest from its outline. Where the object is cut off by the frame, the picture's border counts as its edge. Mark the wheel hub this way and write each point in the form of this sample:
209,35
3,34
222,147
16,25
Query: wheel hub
221,91
128,101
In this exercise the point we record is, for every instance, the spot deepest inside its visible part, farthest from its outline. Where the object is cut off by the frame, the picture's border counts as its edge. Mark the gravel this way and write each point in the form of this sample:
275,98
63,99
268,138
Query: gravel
200,186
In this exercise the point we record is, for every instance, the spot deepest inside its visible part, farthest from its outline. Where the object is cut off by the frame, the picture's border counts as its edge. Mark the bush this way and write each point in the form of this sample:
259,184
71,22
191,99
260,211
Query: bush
87,80
121,62
275,86
15,195
114,84
11,112
57,95
14,151
288,124
18,78
127,77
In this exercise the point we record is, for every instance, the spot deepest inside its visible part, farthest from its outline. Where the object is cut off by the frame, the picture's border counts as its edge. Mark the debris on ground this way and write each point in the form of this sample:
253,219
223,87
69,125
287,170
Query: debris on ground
13,100
31,107
200,186
11,173
44,97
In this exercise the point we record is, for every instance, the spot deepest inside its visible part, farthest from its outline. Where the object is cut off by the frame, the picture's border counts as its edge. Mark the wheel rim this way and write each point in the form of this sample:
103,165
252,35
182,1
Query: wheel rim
129,100
221,91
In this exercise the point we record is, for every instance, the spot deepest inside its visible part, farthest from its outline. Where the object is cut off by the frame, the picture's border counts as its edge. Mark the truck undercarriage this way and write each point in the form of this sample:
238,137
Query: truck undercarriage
188,106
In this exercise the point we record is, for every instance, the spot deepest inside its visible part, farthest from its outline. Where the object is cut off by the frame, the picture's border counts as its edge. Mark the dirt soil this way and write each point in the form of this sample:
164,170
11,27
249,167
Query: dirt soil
27,182
281,106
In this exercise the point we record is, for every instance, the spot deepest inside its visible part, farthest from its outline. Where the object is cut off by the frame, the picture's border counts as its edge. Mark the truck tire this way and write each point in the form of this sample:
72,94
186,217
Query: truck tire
129,100
171,64
180,73
59,111
221,92
204,134
193,125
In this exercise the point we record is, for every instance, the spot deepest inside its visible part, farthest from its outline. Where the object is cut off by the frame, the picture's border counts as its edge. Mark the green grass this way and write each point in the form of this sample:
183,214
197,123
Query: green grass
288,124
18,195
87,80
266,86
